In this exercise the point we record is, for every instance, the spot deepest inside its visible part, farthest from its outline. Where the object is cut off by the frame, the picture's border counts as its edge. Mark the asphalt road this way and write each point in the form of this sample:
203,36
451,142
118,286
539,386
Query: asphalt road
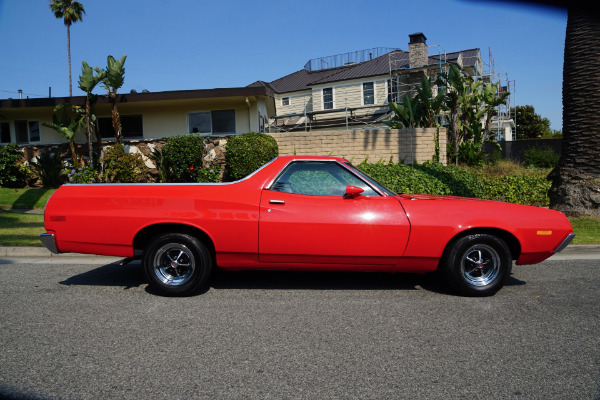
85,331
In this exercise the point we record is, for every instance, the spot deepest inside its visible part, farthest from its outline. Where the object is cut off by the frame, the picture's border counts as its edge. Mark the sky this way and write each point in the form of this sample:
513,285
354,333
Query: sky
189,44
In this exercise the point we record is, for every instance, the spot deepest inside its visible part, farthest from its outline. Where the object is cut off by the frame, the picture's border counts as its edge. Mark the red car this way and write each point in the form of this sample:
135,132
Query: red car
301,213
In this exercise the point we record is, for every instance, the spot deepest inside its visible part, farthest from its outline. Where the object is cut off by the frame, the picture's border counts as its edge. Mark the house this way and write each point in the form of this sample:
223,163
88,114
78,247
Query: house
352,90
147,115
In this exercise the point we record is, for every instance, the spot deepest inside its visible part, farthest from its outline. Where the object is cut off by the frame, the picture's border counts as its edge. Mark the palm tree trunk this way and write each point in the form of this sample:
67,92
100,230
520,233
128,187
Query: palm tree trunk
69,54
576,180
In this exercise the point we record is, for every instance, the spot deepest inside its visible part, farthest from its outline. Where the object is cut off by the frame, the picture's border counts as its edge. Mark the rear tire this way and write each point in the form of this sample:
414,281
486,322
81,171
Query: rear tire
477,265
177,264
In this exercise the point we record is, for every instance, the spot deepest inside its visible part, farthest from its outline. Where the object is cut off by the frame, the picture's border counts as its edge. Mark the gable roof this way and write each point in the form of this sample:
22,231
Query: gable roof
303,79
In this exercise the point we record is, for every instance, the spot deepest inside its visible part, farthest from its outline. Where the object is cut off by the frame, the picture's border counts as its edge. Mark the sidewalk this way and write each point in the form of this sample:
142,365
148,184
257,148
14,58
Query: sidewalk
572,252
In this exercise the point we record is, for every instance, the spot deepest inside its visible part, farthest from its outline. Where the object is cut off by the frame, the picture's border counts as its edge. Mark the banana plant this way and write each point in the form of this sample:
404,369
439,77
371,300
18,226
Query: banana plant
113,79
405,113
430,105
67,120
87,82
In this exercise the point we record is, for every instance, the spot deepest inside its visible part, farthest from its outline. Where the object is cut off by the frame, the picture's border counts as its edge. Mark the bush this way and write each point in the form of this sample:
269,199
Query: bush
83,175
431,178
246,153
541,157
49,168
120,166
13,174
180,158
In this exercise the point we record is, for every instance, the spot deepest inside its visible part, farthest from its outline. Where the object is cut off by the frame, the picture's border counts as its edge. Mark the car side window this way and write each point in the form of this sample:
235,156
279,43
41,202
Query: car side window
319,179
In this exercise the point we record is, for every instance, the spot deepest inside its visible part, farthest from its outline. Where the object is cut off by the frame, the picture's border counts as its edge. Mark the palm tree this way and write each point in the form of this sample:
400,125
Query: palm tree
87,83
576,180
113,79
70,11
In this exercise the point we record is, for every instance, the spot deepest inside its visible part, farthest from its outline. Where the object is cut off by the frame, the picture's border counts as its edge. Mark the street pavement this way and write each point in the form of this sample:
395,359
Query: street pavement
70,330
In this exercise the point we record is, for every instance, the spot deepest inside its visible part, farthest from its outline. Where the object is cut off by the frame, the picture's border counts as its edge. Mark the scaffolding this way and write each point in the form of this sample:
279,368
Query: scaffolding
505,114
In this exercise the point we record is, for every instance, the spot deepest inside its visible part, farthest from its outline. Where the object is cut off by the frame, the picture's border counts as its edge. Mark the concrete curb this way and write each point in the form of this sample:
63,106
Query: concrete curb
586,250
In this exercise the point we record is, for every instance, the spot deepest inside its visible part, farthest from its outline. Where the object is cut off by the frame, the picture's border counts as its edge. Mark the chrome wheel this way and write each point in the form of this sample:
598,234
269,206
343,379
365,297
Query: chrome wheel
477,265
174,264
480,265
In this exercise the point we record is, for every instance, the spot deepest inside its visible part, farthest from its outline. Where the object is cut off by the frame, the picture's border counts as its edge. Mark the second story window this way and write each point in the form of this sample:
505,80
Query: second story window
328,98
368,93
393,89
285,101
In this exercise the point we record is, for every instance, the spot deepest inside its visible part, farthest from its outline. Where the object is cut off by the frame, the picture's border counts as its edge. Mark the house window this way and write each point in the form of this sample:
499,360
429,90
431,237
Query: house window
328,98
27,131
4,132
212,122
368,93
285,101
393,89
131,127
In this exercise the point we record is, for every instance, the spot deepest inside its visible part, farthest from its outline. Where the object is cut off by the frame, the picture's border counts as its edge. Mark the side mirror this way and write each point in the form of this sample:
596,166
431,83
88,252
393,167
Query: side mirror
353,191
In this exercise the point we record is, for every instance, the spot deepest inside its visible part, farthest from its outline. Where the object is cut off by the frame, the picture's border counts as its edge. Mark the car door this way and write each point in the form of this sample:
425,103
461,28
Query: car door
305,218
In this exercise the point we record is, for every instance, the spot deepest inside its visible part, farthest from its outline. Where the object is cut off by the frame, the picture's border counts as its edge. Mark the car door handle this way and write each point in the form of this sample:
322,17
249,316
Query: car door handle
276,202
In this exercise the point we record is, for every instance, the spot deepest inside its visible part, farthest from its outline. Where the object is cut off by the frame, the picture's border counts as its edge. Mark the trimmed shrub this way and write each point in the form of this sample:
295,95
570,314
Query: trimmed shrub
180,158
49,168
432,178
246,153
122,167
541,157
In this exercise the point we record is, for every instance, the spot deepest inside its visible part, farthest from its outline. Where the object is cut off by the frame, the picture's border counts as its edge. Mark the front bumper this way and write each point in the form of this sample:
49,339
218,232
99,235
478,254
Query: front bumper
564,243
49,241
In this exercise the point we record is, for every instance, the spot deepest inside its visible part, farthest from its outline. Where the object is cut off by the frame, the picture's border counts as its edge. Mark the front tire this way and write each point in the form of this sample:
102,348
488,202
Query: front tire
477,265
177,264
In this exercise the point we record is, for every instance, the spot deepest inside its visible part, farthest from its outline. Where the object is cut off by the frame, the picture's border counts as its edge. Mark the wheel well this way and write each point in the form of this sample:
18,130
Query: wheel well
511,241
142,238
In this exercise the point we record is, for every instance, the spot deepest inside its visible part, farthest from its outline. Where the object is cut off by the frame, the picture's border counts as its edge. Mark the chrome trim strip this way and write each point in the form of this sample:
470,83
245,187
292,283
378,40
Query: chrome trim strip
48,240
564,243
276,202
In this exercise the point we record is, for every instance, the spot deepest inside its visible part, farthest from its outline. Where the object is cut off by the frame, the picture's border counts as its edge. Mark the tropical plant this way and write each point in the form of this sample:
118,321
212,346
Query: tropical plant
70,11
430,105
49,167
87,82
405,113
576,179
67,120
112,80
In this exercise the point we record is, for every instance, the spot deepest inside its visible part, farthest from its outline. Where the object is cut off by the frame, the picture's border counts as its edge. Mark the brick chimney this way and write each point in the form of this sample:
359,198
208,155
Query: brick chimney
417,50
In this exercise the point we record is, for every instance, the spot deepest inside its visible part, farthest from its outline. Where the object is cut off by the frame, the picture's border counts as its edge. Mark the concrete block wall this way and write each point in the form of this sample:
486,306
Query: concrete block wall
409,145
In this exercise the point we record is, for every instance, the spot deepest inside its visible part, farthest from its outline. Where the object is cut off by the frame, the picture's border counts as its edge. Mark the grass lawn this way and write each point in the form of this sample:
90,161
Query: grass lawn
18,229
24,198
587,230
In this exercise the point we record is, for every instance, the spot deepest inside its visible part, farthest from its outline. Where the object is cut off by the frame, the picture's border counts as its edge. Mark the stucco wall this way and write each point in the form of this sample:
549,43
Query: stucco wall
377,144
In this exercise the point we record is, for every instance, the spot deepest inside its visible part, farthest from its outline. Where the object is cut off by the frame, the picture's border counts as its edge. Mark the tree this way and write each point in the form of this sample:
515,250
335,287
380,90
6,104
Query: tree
67,120
529,124
576,180
87,83
112,80
70,11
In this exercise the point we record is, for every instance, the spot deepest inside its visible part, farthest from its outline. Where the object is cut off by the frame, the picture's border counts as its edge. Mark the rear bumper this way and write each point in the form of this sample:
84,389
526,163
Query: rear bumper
48,240
564,243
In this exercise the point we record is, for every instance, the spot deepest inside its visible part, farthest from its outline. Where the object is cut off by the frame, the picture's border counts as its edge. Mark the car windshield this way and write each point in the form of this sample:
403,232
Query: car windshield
373,181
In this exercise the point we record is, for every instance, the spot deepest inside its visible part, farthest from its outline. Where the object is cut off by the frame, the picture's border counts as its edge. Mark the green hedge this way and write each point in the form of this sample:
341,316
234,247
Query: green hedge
246,153
432,178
